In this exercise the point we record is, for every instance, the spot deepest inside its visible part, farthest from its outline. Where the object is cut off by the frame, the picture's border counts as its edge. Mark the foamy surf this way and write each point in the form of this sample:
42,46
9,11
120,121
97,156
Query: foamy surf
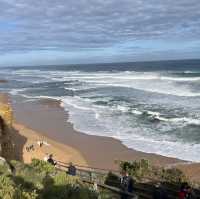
132,140
155,112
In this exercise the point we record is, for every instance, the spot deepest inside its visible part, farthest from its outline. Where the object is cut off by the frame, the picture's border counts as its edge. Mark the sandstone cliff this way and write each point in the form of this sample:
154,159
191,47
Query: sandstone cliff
6,145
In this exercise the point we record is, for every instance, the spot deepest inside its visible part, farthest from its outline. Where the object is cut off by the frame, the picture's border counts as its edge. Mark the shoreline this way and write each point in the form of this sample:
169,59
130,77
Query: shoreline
50,119
47,120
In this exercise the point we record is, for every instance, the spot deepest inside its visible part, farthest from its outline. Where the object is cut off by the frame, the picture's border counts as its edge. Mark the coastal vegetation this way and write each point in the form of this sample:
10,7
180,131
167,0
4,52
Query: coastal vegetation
41,180
144,170
147,177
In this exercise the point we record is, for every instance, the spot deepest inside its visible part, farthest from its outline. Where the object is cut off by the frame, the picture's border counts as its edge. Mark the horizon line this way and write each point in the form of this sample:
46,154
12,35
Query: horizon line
104,63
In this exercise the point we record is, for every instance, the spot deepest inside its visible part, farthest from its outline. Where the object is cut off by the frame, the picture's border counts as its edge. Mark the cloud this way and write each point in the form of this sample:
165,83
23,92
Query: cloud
93,25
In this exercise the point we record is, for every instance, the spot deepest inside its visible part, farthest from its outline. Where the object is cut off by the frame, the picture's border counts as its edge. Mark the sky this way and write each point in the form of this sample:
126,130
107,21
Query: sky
91,31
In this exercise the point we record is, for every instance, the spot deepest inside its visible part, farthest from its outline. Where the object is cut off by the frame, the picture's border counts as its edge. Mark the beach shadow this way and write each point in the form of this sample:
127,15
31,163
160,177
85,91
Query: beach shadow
19,142
11,142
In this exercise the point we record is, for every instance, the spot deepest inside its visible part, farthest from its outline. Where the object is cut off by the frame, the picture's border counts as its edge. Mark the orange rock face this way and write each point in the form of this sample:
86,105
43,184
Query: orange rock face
6,146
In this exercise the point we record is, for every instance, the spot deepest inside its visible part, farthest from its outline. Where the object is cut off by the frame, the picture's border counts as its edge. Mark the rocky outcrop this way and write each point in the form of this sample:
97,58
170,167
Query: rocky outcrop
6,145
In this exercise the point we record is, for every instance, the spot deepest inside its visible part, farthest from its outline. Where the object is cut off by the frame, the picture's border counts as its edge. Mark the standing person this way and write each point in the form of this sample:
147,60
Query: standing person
159,192
130,185
71,169
190,193
183,191
127,185
51,160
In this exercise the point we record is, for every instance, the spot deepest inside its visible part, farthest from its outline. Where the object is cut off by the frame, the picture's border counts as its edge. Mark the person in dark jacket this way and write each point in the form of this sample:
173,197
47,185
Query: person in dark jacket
127,185
71,169
190,193
51,160
159,192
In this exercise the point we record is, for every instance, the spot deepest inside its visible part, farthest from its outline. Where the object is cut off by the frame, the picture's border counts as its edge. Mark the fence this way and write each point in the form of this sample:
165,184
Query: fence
144,190
91,175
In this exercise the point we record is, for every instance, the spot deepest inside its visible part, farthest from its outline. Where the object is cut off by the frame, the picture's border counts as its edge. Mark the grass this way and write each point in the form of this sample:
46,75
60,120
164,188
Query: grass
40,180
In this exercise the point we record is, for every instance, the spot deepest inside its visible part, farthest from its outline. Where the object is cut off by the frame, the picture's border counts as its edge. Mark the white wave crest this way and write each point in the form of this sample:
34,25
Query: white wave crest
181,79
178,120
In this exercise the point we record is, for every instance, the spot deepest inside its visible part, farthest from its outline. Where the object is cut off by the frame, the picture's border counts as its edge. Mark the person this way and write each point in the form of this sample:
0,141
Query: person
40,143
127,185
190,193
159,192
51,160
30,148
130,184
71,169
182,193
27,148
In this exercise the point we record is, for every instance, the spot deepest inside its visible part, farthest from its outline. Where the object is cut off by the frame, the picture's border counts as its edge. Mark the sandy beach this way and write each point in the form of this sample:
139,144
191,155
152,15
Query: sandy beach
24,137
47,117
60,152
46,120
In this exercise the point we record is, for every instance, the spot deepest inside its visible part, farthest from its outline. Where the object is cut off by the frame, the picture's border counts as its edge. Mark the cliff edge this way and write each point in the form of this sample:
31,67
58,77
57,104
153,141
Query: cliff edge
6,145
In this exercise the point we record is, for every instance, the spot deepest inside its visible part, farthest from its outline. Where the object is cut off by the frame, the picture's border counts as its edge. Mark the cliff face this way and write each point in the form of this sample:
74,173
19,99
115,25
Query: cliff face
6,145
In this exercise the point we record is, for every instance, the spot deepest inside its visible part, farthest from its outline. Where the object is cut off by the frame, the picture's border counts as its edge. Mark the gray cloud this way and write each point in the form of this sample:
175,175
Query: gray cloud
69,25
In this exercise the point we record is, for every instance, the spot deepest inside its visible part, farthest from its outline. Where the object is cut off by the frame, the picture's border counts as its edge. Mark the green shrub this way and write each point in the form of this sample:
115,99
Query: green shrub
142,169
137,169
65,187
173,175
42,166
7,187
41,180
4,170
61,178
10,190
112,180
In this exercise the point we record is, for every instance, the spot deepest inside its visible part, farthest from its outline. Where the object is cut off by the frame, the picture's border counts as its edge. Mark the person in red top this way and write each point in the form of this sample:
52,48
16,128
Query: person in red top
183,192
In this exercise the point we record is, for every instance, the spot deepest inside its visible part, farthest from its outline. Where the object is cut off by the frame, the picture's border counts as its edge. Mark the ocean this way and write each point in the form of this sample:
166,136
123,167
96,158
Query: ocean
152,107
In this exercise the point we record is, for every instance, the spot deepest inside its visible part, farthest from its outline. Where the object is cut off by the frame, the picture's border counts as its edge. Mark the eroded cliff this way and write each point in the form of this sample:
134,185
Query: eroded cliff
6,145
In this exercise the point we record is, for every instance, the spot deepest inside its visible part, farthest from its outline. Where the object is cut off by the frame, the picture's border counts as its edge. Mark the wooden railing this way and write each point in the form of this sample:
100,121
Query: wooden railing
91,175
144,190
